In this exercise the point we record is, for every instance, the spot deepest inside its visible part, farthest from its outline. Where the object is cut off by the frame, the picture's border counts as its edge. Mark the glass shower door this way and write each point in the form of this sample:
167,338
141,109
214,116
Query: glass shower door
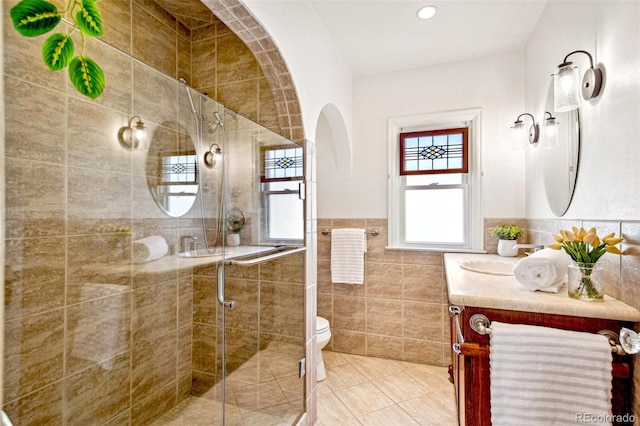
263,332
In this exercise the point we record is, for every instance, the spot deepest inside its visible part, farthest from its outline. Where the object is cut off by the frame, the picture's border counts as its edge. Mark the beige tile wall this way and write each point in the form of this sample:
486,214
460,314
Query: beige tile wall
225,69
401,310
91,338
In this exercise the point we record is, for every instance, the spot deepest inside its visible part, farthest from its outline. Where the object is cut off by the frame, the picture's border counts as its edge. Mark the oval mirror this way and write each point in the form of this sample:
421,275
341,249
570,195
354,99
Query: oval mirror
172,169
560,152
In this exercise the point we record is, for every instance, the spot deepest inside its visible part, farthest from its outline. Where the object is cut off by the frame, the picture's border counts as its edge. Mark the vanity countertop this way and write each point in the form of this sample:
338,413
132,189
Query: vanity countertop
467,288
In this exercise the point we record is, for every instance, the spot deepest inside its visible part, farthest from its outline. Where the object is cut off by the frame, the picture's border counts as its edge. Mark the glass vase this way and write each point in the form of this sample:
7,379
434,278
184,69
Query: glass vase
586,281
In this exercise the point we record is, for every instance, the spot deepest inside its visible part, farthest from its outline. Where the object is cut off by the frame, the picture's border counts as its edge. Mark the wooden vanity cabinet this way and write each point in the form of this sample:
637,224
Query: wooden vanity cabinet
470,369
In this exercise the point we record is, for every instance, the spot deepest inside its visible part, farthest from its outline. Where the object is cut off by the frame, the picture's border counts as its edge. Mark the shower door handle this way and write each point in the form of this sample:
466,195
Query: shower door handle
226,303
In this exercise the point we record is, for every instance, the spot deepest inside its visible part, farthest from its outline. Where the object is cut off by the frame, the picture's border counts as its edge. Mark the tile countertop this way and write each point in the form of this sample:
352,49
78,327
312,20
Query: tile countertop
481,290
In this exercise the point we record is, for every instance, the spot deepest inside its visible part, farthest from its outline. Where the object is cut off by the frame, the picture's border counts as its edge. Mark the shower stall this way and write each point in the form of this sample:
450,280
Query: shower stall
161,282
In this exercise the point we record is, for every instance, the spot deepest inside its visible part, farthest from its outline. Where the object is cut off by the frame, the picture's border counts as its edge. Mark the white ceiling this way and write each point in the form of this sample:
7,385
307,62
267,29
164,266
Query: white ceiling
375,36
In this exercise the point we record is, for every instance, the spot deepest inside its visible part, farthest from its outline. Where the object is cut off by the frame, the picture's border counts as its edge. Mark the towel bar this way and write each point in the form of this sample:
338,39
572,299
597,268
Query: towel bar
375,232
627,344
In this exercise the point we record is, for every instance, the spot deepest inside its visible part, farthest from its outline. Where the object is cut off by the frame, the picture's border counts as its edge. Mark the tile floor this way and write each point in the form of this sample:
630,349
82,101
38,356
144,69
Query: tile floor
359,390
263,391
371,391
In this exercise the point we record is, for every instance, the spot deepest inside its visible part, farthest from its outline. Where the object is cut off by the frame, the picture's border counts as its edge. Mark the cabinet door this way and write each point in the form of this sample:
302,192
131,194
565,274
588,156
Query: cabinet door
457,372
476,395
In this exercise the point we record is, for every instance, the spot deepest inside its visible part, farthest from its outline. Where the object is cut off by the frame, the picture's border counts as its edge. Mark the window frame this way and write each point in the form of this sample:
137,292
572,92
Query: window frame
466,188
465,150
469,118
267,192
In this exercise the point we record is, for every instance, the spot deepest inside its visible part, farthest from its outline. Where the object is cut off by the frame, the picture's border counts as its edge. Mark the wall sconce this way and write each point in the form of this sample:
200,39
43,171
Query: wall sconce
550,131
566,84
520,135
212,156
133,137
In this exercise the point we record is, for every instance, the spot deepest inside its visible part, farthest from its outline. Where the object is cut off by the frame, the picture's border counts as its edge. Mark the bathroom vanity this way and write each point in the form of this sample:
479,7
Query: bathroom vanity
501,298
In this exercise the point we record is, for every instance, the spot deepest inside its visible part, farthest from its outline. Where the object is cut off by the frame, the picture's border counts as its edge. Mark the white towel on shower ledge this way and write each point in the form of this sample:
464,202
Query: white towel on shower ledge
149,248
547,376
544,270
348,247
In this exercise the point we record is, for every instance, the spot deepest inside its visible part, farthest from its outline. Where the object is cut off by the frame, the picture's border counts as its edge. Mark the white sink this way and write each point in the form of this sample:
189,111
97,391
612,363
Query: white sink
492,267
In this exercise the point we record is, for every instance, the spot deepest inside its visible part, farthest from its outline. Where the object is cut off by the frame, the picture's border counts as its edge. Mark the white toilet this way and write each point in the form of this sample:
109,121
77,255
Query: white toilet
323,334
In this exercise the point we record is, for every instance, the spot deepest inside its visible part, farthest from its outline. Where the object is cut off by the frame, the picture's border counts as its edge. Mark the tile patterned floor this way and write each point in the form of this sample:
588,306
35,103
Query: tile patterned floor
358,391
265,391
379,392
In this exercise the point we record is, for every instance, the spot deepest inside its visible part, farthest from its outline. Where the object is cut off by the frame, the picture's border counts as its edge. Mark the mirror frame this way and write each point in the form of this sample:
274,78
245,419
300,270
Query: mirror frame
552,172
171,143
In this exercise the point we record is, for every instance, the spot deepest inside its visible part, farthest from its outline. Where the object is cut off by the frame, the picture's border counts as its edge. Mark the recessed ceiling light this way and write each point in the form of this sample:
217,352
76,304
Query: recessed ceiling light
426,12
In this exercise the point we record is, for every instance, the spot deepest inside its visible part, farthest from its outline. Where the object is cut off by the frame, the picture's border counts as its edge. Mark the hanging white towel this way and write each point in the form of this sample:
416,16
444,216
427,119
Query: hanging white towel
348,247
546,376
544,270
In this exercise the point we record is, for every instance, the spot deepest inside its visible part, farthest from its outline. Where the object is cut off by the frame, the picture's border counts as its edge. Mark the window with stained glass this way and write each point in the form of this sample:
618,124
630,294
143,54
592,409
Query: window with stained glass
282,174
434,152
178,169
434,188
282,163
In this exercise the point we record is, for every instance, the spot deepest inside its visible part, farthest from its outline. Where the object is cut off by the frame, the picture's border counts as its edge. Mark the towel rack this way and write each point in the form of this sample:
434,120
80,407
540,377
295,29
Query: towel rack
628,343
374,233
261,259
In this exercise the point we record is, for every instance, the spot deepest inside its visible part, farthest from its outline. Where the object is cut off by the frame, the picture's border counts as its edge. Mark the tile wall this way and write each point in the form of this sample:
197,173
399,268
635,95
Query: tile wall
225,69
401,310
89,337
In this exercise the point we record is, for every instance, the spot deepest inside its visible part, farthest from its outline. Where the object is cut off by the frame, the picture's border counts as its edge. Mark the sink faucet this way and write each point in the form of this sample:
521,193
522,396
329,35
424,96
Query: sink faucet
188,242
535,247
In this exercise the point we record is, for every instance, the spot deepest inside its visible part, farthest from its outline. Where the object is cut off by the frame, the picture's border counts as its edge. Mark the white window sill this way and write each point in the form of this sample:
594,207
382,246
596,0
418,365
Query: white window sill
437,250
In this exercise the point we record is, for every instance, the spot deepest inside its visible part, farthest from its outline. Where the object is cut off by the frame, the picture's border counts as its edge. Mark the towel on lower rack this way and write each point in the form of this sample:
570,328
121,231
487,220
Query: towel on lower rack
348,247
544,270
546,376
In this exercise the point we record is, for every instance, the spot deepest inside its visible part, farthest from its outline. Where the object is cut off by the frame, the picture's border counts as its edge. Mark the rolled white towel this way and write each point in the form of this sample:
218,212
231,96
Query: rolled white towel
149,248
544,270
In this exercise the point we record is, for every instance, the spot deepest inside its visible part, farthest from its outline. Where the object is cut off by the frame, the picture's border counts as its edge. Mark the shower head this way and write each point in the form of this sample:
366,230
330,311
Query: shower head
217,121
186,87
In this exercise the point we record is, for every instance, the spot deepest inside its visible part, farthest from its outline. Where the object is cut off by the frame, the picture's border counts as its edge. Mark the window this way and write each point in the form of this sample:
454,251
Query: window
433,185
178,185
281,177
434,152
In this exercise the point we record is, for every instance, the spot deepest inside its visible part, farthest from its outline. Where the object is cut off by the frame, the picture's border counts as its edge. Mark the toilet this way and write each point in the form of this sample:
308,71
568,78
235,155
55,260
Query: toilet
323,334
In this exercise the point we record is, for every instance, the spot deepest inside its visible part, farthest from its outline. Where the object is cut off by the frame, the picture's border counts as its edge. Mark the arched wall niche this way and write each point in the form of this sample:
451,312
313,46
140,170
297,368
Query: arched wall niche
332,138
240,20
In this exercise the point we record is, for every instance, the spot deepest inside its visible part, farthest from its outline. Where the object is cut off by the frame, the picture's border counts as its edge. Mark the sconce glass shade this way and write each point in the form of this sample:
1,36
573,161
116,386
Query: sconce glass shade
521,136
550,132
569,90
566,88
518,136
133,137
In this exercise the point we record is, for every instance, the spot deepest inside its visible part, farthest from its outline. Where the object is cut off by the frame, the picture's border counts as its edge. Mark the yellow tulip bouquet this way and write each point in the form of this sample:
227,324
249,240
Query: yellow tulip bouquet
585,248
